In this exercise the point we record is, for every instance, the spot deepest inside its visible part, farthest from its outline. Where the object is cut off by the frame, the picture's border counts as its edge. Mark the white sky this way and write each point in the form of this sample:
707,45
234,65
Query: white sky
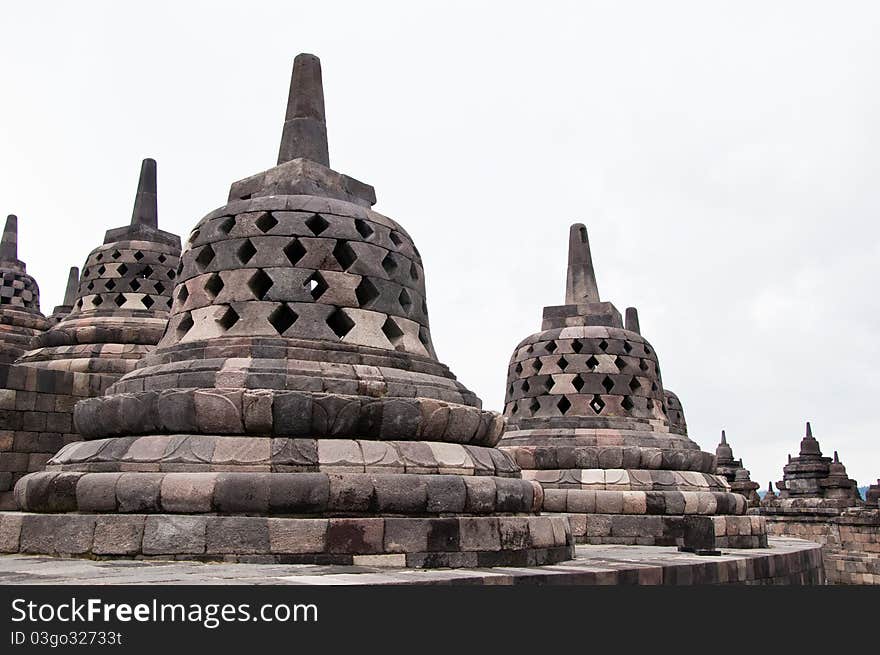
724,157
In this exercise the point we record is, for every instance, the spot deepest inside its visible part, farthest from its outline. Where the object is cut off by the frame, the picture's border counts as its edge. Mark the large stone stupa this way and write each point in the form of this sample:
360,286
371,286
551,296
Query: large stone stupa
295,409
587,418
20,317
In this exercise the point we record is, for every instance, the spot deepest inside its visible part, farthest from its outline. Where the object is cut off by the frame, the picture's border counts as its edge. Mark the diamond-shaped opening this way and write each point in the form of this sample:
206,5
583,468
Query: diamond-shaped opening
619,363
414,271
518,368
563,405
345,255
537,365
627,403
85,272
119,300
97,301
535,405
90,286
205,257
525,386
650,404
592,362
363,228
182,293
653,386
180,265
647,349
392,331
229,318
395,237
635,385
643,365
193,236
79,303
608,383
340,323
424,337
578,383
99,257
294,251
171,274
148,301
168,303
260,283
266,222
227,224
576,346
138,255
135,285
316,284
603,345
514,408
122,269
185,325
405,301
282,317
627,347
597,404
317,224
214,285
246,251
551,347
366,292
160,288
162,259
548,383
389,264
530,349
562,363
116,254
101,270
110,285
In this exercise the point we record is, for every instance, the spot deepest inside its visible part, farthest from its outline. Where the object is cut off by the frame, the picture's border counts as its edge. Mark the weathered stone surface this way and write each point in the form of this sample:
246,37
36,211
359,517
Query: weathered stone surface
169,535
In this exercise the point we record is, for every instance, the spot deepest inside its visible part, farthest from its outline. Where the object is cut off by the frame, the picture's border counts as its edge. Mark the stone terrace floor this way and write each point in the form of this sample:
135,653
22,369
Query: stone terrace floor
608,564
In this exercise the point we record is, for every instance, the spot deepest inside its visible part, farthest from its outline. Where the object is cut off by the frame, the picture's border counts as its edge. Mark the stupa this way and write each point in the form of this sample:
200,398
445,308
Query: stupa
735,473
121,308
587,418
70,295
295,409
20,316
872,496
811,480
770,497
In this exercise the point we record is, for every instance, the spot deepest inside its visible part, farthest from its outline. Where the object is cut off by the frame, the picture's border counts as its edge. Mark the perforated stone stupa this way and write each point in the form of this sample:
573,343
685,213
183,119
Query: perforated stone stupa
587,418
737,476
20,316
295,409
121,308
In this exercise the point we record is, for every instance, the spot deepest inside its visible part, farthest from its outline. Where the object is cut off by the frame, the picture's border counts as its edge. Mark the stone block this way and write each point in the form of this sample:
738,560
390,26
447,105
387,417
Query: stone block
400,494
138,492
119,534
481,494
406,535
609,502
237,534
167,534
187,493
360,536
446,494
478,533
51,534
555,500
298,493
96,492
514,532
297,536
351,492
242,492
10,532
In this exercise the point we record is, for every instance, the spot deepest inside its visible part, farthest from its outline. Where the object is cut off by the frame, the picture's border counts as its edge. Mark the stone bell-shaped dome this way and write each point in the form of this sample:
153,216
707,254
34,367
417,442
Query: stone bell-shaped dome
587,416
297,380
20,316
121,306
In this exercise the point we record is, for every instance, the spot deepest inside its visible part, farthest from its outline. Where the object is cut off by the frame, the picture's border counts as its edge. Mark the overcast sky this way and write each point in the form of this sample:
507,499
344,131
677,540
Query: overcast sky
724,157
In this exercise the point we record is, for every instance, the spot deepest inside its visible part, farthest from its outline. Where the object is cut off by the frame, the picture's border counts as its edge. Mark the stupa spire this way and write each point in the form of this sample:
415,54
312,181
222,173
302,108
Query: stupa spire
723,437
145,210
72,286
580,283
9,245
632,320
305,125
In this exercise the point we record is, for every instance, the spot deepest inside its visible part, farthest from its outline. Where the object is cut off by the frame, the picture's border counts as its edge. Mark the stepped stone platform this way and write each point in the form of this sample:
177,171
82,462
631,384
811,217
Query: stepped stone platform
784,561
588,418
109,319
295,408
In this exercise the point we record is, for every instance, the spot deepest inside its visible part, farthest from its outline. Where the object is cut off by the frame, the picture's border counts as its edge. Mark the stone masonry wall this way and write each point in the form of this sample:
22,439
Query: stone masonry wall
36,418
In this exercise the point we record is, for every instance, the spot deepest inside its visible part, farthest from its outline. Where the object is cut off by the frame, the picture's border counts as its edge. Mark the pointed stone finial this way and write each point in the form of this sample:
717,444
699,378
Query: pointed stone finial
769,487
632,319
72,286
723,437
145,210
580,283
305,126
809,434
836,458
9,245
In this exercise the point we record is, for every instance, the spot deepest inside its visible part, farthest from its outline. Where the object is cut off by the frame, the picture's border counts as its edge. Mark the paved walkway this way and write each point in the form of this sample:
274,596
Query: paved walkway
786,560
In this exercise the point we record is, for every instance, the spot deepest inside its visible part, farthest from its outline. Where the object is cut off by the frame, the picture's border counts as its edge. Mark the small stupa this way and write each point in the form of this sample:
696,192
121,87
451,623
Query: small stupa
70,293
20,316
587,418
735,473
